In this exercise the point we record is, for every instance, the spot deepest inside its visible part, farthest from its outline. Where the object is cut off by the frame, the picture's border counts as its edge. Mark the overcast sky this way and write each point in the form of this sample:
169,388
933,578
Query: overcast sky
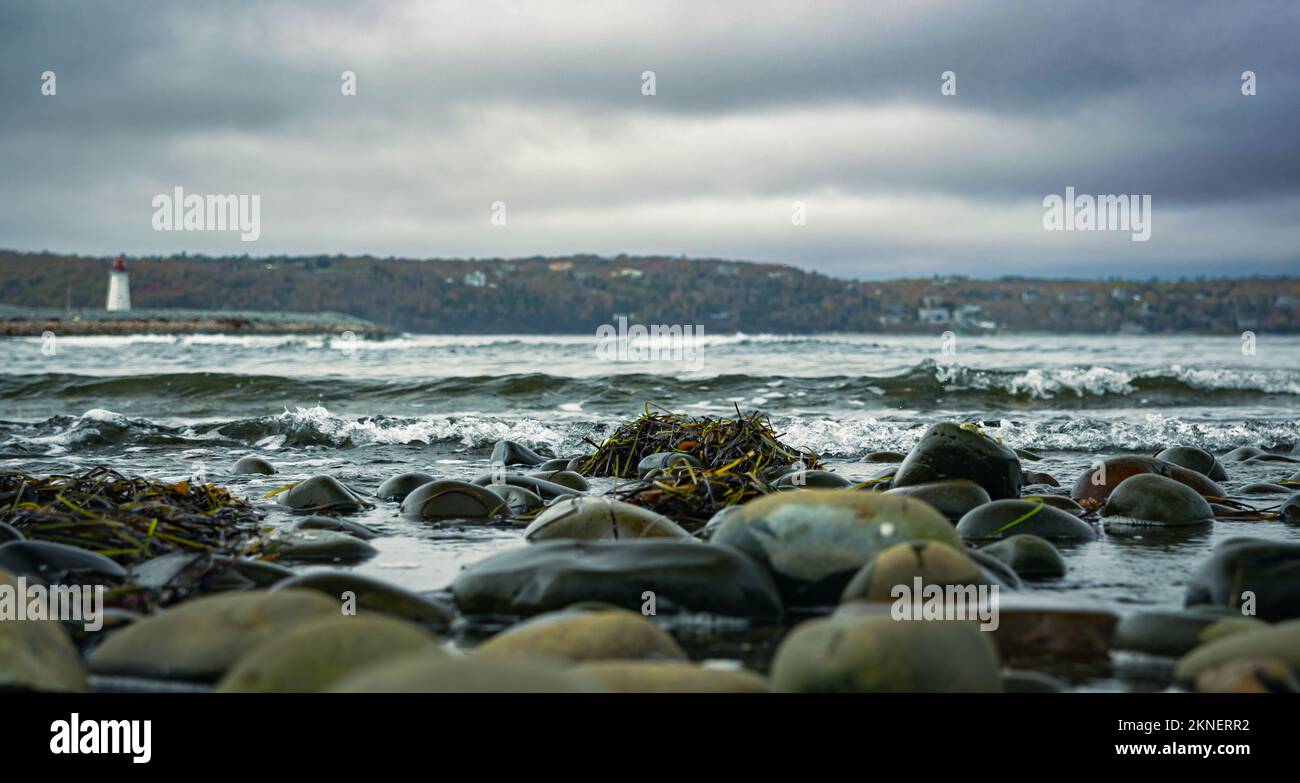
758,105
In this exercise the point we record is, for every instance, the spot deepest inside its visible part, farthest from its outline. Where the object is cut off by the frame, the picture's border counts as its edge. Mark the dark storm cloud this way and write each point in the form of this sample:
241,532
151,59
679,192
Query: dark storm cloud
758,105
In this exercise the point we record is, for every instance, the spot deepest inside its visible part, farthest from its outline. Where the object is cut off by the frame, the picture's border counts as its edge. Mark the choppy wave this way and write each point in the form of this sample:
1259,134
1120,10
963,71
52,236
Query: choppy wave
316,426
924,385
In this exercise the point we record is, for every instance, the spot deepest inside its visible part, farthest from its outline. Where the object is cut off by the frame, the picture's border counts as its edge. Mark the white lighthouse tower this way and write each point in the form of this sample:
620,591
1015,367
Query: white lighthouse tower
119,287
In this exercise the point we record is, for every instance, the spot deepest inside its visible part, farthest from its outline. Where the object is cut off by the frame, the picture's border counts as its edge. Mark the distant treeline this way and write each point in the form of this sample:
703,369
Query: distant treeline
577,294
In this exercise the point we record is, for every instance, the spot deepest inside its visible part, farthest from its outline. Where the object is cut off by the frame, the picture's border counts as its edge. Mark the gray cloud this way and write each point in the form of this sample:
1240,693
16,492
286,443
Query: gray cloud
758,105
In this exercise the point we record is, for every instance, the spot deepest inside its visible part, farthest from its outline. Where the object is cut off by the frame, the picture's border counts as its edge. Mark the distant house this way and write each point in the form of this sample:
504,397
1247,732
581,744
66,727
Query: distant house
1029,296
934,315
476,279
628,272
560,266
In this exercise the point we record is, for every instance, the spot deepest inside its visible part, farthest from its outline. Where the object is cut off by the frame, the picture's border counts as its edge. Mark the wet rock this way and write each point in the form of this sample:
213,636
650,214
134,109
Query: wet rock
324,493
715,521
316,654
874,653
1148,499
1171,633
565,478
338,525
199,639
666,460
1231,623
1058,501
1098,483
1192,458
448,499
950,497
1289,511
36,655
1242,453
611,634
421,673
1028,555
1005,518
9,533
52,564
541,487
327,545
559,463
1255,573
595,518
180,574
933,562
669,677
948,451
1280,642
1039,478
519,501
813,542
681,575
884,456
1272,458
371,595
1263,488
811,479
1251,675
401,485
507,452
1024,454
252,465
578,464
1018,681
1035,626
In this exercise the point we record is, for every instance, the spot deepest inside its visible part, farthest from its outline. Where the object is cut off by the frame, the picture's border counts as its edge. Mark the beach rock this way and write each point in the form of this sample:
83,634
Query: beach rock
507,452
949,451
372,595
933,562
884,456
1167,632
36,655
597,518
200,638
669,677
715,521
1258,458
1242,453
559,463
611,634
448,499
519,501
950,497
1263,488
338,525
324,493
565,478
314,655
1005,518
681,575
403,484
1149,499
810,479
1018,681
541,487
813,542
178,574
578,464
1028,555
1059,501
1097,484
1250,675
252,465
1289,511
874,653
1230,623
1280,642
1038,478
666,460
1192,458
420,673
1024,454
327,545
1255,573
9,533
1035,625
53,564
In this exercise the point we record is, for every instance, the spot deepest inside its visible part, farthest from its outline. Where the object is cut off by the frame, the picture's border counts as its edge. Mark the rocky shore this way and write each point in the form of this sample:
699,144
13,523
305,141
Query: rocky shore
618,591
33,322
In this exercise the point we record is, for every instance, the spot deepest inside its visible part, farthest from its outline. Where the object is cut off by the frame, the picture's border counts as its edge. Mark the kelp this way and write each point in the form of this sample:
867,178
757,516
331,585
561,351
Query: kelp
746,444
690,496
128,519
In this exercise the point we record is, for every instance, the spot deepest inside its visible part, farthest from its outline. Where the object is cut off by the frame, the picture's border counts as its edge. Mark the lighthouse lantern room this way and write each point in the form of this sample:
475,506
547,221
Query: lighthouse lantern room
119,287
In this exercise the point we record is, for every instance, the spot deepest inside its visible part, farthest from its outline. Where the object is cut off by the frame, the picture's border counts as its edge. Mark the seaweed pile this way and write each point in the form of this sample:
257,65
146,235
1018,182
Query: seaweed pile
128,519
746,444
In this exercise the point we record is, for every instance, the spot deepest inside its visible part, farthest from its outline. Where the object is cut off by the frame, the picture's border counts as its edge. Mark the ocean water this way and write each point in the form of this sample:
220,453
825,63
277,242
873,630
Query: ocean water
166,405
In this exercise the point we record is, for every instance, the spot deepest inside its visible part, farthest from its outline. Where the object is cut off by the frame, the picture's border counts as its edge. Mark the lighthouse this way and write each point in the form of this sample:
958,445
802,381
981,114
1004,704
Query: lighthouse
119,287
